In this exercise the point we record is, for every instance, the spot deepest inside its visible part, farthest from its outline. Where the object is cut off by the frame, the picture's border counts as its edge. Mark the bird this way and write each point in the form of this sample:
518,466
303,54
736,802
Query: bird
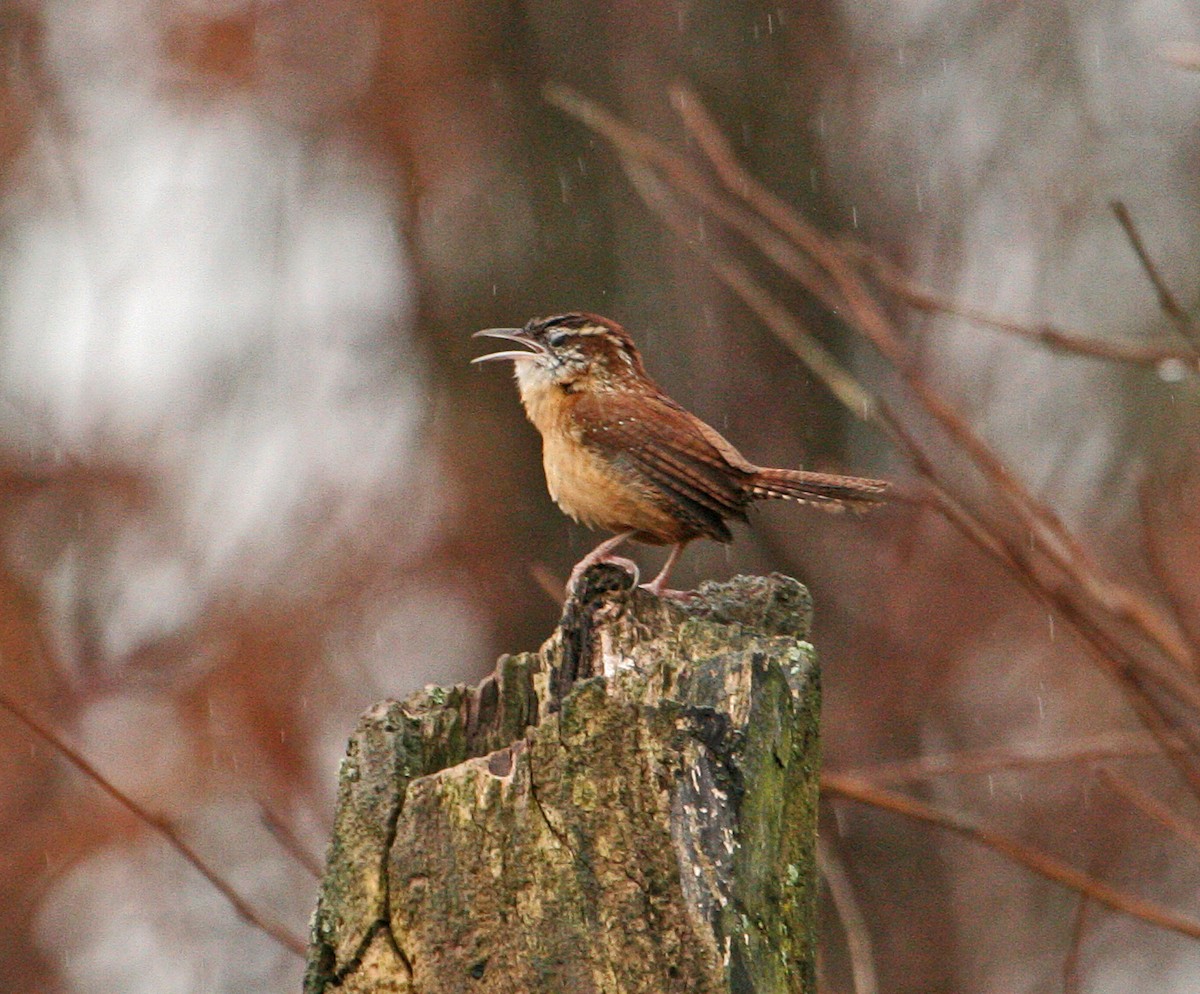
622,456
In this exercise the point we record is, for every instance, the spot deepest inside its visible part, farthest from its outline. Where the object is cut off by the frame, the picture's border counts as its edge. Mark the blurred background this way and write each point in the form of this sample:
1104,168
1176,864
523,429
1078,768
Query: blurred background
249,484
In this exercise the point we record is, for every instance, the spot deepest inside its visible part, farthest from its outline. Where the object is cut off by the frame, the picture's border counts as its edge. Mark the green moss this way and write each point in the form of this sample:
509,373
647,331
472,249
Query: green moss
648,831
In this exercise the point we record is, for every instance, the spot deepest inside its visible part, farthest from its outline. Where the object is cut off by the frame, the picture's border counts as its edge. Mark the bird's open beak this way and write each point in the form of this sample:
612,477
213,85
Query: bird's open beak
518,335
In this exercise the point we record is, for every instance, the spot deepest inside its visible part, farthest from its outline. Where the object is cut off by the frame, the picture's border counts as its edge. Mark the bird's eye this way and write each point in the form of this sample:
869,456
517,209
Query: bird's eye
556,338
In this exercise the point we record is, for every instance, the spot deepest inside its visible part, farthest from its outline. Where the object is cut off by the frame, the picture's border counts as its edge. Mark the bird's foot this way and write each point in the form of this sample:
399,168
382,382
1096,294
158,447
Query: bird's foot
603,553
659,590
585,564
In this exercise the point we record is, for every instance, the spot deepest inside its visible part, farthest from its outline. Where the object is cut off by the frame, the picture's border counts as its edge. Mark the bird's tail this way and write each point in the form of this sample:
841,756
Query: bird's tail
824,490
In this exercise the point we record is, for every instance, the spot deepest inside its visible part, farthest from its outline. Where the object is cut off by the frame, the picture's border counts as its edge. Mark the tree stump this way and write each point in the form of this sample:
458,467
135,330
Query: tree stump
630,809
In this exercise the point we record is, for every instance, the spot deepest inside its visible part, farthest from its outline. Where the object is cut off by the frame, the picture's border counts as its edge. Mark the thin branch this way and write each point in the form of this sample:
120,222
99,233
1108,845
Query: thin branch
1039,539
1052,537
634,145
1015,556
1034,860
283,834
158,824
1166,299
1071,979
1170,582
923,299
978,762
854,922
1152,808
819,360
1048,534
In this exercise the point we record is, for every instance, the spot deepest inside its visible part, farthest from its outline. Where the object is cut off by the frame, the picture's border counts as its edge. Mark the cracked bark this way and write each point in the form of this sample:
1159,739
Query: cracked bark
630,809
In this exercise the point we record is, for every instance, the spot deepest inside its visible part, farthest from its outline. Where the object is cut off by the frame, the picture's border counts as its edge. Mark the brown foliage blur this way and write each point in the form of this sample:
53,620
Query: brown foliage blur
249,484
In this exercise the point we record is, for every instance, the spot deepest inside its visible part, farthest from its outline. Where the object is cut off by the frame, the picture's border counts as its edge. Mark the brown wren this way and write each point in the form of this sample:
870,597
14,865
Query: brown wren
620,454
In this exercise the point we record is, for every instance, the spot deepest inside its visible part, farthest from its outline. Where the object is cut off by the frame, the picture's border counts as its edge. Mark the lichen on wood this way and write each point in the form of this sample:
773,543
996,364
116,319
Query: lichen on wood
630,809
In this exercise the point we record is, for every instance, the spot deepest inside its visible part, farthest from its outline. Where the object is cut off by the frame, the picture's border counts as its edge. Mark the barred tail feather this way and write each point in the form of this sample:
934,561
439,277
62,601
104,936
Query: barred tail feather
824,490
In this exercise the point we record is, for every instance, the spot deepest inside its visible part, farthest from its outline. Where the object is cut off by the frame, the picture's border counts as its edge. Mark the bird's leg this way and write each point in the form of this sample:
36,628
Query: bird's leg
603,554
658,585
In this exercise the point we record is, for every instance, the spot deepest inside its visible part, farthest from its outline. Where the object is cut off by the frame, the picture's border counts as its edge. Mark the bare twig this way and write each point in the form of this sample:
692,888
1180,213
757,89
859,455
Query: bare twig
978,762
1051,538
1157,546
159,825
642,148
1072,342
854,922
1014,555
1071,961
283,834
1034,860
1049,535
1152,808
1166,299
1122,631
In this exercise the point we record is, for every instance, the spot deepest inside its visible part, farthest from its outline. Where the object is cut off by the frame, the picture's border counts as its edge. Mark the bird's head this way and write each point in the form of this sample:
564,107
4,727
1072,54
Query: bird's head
573,351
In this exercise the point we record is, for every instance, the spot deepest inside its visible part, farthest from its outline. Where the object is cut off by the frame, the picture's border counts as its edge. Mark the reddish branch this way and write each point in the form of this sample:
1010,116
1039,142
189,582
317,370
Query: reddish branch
1145,653
1060,340
1143,650
1032,859
854,921
158,824
1152,807
1166,299
977,762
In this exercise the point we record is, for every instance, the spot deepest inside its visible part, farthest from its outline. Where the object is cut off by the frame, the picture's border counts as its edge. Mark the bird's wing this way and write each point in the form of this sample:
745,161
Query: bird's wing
700,474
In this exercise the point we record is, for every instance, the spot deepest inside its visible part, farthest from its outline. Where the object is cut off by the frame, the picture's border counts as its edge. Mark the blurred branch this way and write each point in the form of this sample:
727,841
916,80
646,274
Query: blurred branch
840,382
1143,651
23,478
1161,544
982,761
283,834
810,239
645,149
1152,808
923,299
159,825
1166,299
1071,983
1052,538
854,922
1041,863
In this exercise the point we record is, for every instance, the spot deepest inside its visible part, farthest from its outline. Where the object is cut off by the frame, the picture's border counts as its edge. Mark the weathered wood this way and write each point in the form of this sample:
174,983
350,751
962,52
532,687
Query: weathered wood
630,809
